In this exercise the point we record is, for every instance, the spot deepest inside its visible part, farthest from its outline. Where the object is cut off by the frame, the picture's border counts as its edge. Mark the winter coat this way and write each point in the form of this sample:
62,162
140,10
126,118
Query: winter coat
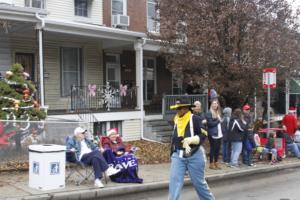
237,130
73,143
212,124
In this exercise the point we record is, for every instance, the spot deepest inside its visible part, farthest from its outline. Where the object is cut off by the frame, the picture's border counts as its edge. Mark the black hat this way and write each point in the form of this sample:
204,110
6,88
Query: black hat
181,102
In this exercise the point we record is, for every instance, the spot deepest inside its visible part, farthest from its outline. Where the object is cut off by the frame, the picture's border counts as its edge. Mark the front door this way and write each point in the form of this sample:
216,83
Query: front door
148,79
27,61
113,75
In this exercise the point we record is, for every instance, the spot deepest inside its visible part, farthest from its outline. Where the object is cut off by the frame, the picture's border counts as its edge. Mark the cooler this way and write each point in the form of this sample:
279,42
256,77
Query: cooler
47,166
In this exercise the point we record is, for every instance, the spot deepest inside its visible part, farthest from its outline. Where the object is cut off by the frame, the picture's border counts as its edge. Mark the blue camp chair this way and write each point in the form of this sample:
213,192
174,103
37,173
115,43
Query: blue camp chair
77,169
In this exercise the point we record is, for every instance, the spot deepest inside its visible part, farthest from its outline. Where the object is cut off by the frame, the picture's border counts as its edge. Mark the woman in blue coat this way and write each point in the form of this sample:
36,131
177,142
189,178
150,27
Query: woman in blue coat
215,134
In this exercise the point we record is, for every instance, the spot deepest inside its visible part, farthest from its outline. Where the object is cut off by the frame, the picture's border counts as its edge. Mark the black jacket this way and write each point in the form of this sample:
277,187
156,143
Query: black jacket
176,141
237,130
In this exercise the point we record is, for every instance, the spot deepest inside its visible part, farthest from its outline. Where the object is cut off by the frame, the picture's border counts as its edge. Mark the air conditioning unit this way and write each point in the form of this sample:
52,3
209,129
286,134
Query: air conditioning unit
120,20
6,2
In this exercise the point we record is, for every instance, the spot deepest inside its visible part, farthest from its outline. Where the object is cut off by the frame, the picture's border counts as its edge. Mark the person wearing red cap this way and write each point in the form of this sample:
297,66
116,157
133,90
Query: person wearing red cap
248,137
289,122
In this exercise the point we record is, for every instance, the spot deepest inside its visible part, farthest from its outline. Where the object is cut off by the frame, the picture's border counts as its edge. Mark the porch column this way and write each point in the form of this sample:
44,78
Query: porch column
40,26
138,47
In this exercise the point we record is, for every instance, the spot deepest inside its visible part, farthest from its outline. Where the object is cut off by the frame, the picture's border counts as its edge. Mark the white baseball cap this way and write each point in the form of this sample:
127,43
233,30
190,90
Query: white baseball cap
79,130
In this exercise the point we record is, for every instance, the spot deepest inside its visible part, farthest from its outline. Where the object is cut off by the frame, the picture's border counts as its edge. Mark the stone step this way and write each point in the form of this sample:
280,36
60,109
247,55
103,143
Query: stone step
158,123
162,128
163,133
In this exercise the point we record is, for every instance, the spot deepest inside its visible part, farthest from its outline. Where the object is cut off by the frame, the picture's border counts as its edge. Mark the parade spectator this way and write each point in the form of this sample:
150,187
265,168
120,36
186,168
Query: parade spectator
87,153
187,152
225,130
190,87
120,156
197,110
292,145
215,134
289,122
248,137
237,128
271,148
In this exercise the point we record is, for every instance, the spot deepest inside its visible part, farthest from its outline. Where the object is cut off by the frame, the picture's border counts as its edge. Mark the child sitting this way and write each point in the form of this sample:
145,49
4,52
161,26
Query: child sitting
270,148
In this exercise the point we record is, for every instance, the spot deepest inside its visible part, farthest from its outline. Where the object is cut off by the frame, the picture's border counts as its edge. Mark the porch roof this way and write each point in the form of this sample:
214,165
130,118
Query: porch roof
90,30
16,13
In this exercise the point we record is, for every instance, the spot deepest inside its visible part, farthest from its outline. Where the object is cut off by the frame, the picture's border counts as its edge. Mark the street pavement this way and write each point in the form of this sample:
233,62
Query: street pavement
14,185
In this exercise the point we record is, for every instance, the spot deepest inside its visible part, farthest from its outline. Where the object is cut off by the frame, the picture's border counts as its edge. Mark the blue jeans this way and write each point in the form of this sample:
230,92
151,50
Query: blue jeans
96,159
295,148
236,149
226,151
195,166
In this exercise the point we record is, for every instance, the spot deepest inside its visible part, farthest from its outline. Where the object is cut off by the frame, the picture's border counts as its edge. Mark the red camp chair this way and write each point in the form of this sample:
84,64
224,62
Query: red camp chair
279,142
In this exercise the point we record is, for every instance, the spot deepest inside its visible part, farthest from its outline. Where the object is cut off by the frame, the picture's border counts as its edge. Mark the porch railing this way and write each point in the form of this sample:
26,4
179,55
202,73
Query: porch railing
102,98
169,100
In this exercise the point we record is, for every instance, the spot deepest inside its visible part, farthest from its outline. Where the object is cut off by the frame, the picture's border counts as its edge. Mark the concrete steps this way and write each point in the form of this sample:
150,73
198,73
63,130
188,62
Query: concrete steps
158,130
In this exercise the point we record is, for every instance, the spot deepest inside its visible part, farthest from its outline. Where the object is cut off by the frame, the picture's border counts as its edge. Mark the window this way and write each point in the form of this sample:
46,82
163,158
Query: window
176,84
71,69
100,128
81,8
181,32
35,3
152,16
119,7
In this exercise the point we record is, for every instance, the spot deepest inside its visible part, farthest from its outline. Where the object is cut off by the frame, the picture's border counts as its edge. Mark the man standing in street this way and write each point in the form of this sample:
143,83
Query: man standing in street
187,153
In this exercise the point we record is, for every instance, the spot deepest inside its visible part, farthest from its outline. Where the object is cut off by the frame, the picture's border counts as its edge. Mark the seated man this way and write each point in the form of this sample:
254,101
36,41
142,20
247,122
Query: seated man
87,153
290,144
120,156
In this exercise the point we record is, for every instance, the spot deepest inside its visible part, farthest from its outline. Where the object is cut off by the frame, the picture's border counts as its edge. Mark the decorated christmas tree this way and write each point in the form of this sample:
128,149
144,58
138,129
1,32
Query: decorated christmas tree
17,102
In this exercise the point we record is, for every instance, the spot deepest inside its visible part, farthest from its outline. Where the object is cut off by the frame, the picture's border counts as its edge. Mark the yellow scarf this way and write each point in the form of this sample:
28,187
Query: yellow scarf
181,123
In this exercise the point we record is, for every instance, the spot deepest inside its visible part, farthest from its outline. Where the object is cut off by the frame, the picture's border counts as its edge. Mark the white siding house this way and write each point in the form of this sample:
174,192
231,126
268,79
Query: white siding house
74,42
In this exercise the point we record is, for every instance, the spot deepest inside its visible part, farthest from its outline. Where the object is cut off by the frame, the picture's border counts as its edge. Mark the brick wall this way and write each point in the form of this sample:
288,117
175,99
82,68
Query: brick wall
136,10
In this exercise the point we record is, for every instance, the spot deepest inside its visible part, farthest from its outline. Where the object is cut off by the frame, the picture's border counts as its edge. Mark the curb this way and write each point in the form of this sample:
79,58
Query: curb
125,190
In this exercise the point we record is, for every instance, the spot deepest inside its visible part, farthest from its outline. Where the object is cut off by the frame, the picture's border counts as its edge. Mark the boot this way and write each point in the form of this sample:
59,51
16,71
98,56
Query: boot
217,166
212,166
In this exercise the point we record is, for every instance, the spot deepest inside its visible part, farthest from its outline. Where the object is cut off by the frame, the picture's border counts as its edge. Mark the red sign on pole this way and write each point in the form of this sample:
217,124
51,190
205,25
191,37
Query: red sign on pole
269,78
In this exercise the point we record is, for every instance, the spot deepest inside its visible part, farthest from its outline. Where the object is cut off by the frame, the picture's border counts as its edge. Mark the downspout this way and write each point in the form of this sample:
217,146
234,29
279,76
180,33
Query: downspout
41,58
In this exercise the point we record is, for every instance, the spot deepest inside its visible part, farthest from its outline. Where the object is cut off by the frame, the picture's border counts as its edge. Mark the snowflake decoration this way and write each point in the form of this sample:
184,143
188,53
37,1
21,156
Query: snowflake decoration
108,93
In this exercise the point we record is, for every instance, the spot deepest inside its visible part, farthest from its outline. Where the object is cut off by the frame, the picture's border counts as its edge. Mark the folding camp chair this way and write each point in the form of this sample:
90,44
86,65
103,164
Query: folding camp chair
77,169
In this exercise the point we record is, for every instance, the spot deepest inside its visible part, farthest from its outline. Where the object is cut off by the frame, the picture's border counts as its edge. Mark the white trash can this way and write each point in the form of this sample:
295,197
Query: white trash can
47,166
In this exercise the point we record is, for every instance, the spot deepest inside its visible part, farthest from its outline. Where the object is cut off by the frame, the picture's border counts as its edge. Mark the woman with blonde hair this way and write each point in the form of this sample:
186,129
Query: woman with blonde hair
215,134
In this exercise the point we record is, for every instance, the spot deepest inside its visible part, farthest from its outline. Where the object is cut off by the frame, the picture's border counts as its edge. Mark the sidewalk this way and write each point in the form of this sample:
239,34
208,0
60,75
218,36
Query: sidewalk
14,185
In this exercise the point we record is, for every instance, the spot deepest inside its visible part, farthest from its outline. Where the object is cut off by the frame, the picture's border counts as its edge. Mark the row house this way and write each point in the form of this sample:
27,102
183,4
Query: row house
90,59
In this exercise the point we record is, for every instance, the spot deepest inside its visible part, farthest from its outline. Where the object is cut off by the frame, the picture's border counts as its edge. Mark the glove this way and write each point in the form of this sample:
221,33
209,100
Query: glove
186,142
203,131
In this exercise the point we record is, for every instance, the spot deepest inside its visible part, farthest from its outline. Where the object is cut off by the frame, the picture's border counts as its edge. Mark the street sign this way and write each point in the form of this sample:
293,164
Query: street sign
269,78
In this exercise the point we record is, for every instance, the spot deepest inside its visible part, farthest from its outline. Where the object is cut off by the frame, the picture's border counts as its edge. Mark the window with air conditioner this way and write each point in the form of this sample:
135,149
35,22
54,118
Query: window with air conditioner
35,3
152,16
119,13
119,7
82,8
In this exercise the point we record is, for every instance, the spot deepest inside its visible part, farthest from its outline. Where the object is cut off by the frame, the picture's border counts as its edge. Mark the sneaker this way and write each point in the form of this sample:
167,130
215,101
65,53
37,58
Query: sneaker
112,171
98,183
